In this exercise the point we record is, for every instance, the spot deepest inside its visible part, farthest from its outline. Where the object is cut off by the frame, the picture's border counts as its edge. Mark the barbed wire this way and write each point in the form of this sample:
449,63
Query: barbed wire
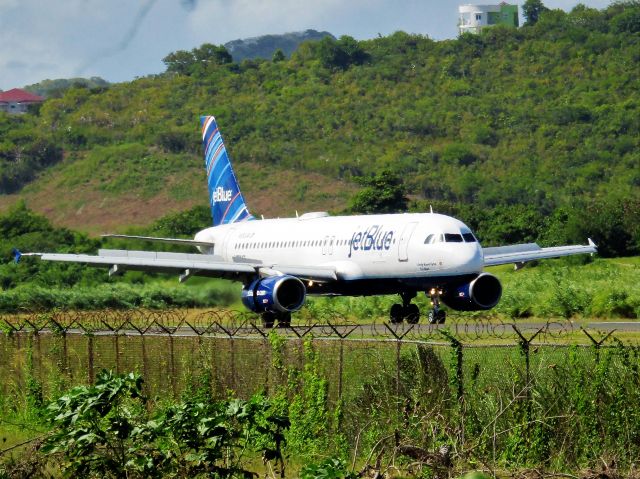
239,324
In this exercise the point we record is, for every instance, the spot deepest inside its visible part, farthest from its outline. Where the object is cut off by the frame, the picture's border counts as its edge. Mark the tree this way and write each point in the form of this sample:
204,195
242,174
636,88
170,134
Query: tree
532,9
382,193
211,54
628,21
179,62
340,53
278,56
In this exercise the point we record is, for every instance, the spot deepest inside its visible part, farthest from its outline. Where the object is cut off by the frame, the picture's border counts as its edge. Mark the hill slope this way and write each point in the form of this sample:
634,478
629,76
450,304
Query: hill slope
266,45
543,121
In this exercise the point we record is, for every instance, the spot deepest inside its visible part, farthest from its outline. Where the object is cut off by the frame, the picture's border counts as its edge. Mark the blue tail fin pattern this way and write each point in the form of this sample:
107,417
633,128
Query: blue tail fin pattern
226,200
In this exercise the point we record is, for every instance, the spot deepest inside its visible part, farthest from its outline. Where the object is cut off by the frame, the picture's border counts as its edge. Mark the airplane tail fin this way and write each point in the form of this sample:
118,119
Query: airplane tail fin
226,200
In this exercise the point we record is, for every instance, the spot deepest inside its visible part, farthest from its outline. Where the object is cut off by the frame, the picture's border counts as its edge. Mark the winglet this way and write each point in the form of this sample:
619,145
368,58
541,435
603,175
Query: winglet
16,255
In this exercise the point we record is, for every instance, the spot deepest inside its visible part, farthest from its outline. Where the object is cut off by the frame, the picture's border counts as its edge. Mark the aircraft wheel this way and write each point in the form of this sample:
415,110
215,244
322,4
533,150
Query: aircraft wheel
396,313
441,316
268,319
284,320
412,313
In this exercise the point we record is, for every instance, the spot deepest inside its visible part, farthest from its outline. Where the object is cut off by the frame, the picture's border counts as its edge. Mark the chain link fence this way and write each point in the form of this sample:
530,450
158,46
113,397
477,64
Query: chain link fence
170,348
495,392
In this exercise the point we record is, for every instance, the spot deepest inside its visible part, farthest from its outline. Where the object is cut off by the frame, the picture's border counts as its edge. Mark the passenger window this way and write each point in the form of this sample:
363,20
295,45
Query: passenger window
452,238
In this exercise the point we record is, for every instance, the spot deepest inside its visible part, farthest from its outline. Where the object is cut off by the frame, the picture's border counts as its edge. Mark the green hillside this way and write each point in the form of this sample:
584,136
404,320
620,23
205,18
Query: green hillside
527,134
266,45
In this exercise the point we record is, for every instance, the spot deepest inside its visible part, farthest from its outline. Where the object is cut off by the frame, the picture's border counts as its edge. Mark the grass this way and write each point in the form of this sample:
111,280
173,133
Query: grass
560,289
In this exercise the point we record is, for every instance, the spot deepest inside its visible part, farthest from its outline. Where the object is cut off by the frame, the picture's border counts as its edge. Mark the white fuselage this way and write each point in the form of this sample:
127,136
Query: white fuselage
393,246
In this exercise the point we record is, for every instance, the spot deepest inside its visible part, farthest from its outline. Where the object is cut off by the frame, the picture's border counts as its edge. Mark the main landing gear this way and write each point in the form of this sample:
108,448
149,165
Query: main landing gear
406,310
410,312
269,319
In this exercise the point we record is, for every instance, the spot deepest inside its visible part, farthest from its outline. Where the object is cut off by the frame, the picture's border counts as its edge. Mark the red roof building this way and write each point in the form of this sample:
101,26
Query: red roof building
17,100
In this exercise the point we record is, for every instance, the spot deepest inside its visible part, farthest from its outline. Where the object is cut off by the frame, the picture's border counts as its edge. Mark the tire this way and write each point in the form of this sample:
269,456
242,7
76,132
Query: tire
412,314
267,320
442,316
396,314
284,320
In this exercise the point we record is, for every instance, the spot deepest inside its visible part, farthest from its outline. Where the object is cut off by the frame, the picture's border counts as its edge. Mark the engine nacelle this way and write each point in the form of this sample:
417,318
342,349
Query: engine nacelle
275,294
484,292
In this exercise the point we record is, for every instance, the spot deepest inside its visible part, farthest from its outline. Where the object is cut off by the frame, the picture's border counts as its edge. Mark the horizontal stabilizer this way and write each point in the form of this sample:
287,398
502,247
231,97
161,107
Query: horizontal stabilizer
179,241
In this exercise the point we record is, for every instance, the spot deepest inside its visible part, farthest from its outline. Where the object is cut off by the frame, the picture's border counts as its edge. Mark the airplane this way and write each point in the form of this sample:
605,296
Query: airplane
281,261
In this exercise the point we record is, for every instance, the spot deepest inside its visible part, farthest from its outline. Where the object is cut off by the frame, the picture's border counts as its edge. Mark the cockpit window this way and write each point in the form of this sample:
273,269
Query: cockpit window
453,238
469,238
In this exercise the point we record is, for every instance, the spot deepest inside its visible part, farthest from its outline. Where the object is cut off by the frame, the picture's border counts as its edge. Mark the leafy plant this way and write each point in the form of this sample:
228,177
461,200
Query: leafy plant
105,431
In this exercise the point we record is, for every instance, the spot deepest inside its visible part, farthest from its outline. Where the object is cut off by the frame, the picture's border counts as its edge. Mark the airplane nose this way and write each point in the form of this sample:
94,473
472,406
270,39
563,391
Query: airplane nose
471,257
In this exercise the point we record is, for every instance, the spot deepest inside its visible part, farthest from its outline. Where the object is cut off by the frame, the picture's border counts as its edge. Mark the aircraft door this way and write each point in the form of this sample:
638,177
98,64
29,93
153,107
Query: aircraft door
227,251
327,245
403,243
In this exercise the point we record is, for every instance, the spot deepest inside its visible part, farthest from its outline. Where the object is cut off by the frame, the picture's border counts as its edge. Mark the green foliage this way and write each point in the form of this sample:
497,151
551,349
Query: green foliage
22,156
105,431
93,426
331,468
57,88
267,46
628,21
183,224
544,119
341,53
382,193
308,410
532,9
198,61
278,56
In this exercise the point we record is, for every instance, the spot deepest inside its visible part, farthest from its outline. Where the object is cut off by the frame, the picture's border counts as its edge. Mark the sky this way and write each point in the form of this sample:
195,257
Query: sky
120,40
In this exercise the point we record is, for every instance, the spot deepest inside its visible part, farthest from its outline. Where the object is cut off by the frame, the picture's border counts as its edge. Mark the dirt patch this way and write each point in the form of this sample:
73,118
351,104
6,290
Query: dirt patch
270,193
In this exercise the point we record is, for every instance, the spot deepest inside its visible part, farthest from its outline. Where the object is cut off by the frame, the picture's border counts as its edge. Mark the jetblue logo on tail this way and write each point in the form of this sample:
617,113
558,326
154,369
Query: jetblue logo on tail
226,201
220,194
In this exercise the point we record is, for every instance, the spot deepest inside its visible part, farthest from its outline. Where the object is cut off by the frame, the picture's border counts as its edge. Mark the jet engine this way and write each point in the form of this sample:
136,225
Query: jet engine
275,294
482,293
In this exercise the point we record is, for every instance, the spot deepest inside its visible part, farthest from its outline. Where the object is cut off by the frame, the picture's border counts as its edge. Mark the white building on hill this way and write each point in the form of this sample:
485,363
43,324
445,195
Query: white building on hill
473,18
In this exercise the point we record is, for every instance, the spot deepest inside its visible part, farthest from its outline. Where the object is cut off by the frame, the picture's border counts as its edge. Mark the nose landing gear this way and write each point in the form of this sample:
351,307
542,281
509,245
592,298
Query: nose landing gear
436,315
410,312
406,310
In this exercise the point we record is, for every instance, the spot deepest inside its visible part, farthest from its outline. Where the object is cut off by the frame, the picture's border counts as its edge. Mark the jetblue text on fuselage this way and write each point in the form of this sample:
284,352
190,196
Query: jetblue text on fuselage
373,238
220,194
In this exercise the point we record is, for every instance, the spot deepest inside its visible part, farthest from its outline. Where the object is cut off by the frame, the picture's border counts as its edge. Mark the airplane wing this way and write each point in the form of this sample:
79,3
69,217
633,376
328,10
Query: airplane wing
185,264
519,254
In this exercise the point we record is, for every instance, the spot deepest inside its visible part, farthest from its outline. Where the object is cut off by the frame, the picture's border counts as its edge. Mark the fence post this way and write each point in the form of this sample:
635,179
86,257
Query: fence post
597,344
458,351
266,356
399,338
342,337
91,376
116,347
525,344
172,366
145,371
